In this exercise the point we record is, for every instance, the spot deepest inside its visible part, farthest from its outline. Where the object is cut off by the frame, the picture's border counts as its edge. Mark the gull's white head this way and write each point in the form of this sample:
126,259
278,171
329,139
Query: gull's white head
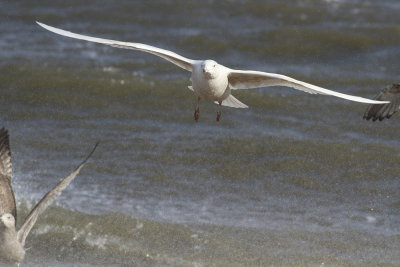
7,220
209,68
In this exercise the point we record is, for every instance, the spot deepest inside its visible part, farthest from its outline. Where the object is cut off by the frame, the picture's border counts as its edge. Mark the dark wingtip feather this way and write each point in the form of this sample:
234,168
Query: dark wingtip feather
5,153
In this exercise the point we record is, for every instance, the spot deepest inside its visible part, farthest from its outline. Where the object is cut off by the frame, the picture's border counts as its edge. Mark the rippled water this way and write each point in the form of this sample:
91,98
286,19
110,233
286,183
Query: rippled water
297,179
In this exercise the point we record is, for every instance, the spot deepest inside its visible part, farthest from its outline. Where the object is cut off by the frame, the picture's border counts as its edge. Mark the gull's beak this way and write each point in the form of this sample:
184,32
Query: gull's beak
207,74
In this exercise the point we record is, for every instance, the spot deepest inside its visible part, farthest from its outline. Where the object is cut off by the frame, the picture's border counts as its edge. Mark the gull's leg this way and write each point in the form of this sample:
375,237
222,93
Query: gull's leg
219,110
197,110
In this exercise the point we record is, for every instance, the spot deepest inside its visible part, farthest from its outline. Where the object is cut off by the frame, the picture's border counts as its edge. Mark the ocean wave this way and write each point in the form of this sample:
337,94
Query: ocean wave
64,237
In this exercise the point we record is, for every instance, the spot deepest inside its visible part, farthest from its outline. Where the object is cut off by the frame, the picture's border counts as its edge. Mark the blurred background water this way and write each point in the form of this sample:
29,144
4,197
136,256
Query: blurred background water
295,180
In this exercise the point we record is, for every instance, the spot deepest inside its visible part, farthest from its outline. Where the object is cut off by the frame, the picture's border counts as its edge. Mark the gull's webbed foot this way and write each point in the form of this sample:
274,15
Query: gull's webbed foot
219,111
196,114
218,115
197,110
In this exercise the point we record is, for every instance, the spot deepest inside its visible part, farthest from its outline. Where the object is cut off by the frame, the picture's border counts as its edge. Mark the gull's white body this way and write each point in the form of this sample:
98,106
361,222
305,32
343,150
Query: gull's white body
212,81
11,250
211,86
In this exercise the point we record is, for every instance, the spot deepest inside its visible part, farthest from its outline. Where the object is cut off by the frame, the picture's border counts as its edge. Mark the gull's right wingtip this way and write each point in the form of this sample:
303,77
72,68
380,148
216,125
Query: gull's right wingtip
47,27
40,24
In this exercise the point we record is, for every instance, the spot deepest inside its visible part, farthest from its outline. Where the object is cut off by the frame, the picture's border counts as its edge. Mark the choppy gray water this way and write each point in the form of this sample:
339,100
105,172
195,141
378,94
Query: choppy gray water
295,180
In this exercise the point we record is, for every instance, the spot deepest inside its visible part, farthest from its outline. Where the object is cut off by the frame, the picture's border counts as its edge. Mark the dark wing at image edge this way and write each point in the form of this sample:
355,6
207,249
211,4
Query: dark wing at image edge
380,112
7,199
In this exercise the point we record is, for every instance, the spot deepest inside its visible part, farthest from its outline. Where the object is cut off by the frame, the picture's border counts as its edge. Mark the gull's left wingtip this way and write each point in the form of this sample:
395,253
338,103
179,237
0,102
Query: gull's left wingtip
382,102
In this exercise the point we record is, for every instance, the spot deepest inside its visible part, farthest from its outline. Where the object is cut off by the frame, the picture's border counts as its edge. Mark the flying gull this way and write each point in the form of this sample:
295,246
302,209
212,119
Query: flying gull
12,242
212,81
379,112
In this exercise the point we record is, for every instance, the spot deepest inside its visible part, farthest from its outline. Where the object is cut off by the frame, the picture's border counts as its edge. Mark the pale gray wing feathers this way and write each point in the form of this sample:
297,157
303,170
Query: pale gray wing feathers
172,57
242,79
47,200
7,199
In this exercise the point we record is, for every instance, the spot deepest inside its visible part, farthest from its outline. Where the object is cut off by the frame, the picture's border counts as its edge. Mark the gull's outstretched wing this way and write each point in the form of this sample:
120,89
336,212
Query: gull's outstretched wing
172,57
244,79
47,200
7,199
390,93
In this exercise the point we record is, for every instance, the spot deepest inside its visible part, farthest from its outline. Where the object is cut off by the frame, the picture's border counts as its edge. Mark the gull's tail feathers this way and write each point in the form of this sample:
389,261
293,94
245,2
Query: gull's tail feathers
232,102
